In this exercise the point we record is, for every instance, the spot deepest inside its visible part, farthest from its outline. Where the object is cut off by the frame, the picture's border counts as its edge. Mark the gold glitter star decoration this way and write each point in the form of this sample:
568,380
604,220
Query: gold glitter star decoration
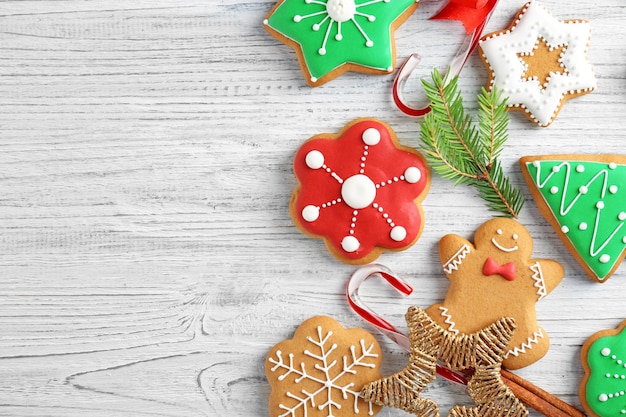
481,352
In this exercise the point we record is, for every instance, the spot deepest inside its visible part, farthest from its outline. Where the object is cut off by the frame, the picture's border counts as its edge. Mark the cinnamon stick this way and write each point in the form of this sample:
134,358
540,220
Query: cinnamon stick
540,400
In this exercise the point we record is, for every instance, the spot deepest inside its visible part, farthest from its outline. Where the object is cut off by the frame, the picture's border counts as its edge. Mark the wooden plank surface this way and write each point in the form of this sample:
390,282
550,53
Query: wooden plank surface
148,261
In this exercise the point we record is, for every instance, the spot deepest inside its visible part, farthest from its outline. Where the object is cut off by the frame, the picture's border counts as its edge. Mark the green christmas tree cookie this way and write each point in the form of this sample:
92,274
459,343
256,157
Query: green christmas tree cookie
603,389
584,198
335,36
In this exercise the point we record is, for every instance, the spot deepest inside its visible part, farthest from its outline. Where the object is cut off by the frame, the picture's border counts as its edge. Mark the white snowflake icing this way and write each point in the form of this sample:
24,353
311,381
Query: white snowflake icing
332,371
339,12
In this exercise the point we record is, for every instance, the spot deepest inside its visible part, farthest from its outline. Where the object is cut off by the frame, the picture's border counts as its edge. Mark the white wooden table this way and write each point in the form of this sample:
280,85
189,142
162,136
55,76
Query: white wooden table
148,260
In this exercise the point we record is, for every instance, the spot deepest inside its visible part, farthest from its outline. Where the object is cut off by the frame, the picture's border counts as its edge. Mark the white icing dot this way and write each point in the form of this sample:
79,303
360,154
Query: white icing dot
580,168
582,189
412,175
612,165
369,43
371,136
350,244
564,229
582,226
556,168
358,191
341,11
398,233
499,231
310,213
603,398
554,190
605,352
314,159
600,205
624,239
622,216
613,189
604,258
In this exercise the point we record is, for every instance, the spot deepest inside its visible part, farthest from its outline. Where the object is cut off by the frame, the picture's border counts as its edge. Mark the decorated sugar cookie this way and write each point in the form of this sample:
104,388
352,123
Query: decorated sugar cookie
321,370
603,389
496,277
539,62
360,191
335,36
584,199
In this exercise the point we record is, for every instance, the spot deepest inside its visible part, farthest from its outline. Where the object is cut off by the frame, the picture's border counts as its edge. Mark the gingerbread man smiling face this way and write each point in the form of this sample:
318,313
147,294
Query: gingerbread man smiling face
495,277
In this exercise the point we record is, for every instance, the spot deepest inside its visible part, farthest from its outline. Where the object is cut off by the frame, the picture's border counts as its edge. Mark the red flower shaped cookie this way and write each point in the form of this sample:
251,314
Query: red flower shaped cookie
360,191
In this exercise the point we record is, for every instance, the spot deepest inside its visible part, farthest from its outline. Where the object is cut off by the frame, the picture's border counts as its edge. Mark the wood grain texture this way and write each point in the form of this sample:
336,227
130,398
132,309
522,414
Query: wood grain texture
148,261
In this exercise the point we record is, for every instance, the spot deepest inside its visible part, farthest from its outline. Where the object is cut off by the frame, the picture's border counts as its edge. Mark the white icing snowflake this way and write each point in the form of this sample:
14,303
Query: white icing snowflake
327,375
339,12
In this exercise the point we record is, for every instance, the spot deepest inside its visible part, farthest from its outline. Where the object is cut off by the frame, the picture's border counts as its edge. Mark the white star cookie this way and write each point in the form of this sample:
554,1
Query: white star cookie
539,62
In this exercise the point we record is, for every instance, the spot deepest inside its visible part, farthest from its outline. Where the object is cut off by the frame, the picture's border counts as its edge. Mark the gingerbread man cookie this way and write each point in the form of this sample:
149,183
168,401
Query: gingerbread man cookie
495,277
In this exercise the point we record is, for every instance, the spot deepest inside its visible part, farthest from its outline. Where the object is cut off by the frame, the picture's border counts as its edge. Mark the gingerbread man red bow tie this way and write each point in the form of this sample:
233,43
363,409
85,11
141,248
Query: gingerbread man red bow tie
506,271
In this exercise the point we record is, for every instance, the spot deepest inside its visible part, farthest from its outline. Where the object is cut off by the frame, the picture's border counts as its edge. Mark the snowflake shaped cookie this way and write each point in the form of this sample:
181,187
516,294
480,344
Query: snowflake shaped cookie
335,36
584,199
603,389
539,62
360,191
320,372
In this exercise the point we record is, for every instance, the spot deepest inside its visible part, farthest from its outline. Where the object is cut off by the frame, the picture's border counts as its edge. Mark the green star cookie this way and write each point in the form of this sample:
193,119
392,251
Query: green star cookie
335,36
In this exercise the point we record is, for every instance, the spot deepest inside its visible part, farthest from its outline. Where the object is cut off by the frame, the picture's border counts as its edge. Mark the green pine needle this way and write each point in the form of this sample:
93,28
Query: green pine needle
459,151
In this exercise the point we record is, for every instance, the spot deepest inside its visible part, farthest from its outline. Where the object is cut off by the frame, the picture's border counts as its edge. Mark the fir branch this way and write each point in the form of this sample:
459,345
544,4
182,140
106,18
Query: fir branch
459,151
493,123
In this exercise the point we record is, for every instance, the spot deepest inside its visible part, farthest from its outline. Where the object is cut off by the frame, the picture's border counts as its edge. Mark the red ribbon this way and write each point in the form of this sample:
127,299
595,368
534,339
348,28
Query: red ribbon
470,12
506,271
